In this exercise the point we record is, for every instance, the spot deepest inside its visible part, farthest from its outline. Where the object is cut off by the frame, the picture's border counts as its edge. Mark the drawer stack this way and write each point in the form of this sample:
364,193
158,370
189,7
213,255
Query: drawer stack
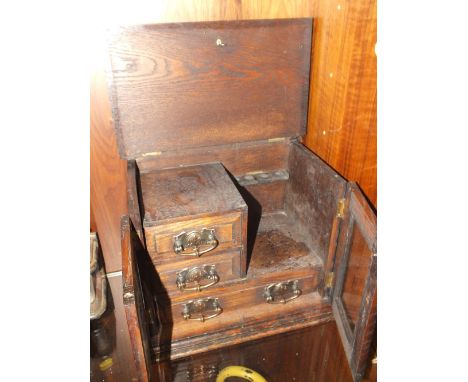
195,224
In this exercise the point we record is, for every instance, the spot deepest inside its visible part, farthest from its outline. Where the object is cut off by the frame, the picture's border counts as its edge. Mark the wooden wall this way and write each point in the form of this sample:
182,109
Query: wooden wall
342,107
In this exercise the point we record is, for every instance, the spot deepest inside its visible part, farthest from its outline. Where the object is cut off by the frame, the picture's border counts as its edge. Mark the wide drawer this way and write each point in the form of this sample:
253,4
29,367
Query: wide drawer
161,239
230,303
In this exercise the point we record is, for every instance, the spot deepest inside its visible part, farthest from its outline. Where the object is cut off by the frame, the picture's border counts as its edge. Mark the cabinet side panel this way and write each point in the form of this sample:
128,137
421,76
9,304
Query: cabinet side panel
312,196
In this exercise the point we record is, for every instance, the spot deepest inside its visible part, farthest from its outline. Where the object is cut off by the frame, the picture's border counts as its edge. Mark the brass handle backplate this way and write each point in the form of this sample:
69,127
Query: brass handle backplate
197,278
195,243
202,309
281,293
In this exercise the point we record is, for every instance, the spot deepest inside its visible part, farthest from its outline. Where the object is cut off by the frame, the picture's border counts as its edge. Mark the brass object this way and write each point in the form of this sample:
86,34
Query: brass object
329,279
196,276
202,309
281,293
195,243
340,210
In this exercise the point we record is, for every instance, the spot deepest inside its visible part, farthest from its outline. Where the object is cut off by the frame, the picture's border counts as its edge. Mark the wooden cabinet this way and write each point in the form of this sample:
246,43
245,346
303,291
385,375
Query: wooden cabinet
210,117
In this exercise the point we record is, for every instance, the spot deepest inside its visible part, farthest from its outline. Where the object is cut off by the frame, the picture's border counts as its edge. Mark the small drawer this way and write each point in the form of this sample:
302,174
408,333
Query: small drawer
180,280
163,245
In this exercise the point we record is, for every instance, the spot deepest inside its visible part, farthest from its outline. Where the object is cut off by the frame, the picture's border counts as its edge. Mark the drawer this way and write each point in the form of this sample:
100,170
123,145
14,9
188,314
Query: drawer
251,301
160,239
207,274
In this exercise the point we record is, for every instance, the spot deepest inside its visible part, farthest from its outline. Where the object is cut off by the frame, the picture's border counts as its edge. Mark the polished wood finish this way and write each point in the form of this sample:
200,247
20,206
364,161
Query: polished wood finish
248,81
227,268
108,176
244,325
160,239
343,44
343,108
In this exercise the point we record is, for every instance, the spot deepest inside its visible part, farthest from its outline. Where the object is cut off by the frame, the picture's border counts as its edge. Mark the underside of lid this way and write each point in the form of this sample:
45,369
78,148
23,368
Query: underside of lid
175,86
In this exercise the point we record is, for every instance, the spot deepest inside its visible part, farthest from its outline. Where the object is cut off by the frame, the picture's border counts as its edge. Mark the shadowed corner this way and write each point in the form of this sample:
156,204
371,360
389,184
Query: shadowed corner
253,218
157,312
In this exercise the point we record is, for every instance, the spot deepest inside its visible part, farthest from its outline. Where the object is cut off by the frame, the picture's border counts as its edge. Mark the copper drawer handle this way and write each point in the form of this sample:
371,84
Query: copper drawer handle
195,243
283,292
202,309
196,275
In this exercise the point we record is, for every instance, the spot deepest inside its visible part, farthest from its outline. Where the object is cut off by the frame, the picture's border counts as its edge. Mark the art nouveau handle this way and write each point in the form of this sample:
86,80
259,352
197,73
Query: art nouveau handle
283,292
201,309
195,243
196,276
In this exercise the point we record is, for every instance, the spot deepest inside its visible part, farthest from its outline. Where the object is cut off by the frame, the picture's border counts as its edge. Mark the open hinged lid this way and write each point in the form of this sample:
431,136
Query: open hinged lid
204,84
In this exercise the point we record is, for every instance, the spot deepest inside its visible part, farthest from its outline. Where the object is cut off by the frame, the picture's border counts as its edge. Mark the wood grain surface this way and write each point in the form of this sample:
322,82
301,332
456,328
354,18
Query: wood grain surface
108,176
188,192
238,159
181,85
342,112
342,97
279,358
356,263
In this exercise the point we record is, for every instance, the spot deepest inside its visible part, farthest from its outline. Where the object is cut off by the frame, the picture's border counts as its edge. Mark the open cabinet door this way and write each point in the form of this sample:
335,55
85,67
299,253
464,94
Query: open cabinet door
139,307
354,296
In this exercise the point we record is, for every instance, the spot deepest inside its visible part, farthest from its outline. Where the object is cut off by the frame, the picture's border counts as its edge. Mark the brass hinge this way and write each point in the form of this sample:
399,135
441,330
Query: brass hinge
329,279
280,139
340,209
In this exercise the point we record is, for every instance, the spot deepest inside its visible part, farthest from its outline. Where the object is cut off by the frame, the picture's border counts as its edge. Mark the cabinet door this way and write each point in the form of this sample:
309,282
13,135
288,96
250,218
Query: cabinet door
138,303
354,296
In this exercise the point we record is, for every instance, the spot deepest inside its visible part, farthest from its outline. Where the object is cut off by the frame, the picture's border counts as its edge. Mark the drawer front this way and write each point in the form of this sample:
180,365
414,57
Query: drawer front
231,304
224,267
161,239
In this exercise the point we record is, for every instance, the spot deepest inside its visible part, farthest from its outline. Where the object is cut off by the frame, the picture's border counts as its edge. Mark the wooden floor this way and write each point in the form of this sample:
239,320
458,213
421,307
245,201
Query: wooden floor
306,355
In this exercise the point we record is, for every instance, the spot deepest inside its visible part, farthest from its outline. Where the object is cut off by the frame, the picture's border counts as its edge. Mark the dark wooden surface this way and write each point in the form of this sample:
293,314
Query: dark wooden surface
238,158
355,288
160,239
134,301
208,84
343,44
279,254
187,193
311,354
344,38
343,108
317,347
114,332
312,196
108,177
